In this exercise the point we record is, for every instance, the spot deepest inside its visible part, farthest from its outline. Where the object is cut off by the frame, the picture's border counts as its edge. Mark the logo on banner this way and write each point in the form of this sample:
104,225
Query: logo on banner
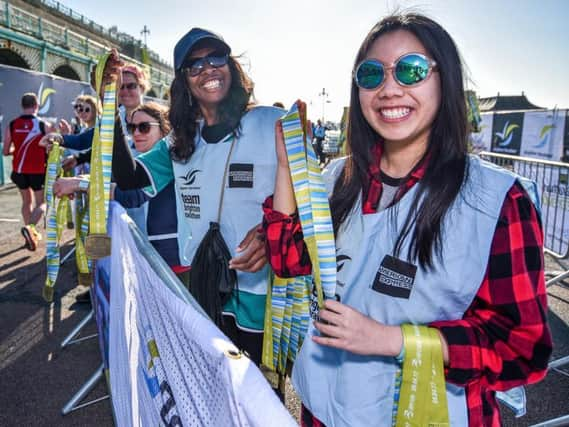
507,134
44,99
158,388
544,136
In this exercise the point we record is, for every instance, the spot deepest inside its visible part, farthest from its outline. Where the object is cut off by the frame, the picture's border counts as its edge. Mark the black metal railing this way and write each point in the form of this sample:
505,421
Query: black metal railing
552,179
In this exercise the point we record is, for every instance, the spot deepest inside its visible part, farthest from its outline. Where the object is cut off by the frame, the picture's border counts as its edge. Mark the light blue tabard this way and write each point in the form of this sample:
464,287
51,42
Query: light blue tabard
250,180
344,389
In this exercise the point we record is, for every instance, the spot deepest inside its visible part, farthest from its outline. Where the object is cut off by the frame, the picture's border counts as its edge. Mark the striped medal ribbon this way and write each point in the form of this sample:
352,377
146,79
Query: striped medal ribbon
81,231
422,397
312,201
287,312
56,217
98,243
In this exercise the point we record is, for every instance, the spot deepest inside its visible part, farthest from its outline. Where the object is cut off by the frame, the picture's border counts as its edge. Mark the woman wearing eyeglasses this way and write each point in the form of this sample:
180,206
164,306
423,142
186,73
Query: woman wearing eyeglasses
222,159
133,85
428,236
86,109
148,124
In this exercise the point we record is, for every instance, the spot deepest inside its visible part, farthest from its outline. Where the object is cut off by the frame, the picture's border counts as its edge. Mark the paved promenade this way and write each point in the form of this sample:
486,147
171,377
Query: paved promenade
37,377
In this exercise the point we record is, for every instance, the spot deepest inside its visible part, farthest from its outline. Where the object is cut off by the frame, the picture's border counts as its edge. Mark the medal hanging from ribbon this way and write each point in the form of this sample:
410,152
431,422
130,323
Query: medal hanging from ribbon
288,308
56,217
422,397
98,243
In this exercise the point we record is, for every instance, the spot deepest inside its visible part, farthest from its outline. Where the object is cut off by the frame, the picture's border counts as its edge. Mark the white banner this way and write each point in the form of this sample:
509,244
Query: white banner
542,135
482,141
168,364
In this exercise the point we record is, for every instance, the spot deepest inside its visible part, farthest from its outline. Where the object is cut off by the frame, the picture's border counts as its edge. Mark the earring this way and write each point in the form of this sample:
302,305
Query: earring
190,98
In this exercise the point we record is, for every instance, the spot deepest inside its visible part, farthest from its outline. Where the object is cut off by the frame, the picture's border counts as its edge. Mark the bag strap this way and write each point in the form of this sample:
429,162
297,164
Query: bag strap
224,178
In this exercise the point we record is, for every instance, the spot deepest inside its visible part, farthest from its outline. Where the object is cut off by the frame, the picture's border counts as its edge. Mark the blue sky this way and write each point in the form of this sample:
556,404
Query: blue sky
294,48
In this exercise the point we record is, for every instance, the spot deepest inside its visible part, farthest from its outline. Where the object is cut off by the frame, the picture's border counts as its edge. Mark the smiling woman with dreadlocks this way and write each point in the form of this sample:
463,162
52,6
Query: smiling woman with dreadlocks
222,157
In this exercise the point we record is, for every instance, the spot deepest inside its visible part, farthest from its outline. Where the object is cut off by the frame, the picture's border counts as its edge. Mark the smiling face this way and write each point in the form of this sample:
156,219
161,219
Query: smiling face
88,114
144,142
212,85
130,98
402,115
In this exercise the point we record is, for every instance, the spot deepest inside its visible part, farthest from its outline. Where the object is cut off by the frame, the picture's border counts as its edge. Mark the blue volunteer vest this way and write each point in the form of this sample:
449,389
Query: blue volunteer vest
250,180
344,389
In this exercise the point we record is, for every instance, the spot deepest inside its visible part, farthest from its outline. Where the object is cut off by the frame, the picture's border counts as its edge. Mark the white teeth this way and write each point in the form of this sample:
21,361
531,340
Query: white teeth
212,84
395,113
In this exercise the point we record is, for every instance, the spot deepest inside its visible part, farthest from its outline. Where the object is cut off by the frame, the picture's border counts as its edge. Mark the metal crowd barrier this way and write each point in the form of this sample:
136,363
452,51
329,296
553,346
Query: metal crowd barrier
169,279
552,179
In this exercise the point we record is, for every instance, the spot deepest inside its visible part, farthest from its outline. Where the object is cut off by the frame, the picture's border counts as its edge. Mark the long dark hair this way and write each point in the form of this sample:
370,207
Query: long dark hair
447,145
185,113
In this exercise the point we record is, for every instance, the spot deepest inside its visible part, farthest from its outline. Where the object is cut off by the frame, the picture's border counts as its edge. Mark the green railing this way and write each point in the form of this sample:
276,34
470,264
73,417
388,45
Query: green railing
25,22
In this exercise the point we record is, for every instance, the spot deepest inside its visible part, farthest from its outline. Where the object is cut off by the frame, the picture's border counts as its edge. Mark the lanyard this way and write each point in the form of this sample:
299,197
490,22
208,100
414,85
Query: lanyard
56,216
287,311
312,201
422,399
98,243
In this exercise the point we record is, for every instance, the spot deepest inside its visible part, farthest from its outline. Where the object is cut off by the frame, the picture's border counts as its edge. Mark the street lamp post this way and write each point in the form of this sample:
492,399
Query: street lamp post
145,31
324,96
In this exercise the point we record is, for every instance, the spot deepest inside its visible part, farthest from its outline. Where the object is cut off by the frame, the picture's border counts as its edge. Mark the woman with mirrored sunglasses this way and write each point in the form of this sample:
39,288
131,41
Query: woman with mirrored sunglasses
426,235
221,155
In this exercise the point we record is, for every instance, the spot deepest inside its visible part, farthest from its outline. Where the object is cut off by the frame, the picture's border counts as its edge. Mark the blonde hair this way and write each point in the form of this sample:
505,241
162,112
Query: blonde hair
94,103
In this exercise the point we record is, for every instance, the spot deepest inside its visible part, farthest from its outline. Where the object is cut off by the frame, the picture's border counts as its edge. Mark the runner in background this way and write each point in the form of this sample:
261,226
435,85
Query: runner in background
427,235
319,136
21,140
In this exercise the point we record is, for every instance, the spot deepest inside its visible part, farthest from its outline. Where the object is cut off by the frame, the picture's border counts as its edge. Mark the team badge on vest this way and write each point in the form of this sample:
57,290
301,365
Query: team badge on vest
241,175
395,277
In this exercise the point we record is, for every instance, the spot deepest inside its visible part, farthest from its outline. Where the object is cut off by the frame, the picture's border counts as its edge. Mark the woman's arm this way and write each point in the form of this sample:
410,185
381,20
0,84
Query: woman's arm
503,340
7,149
283,199
130,198
80,141
286,250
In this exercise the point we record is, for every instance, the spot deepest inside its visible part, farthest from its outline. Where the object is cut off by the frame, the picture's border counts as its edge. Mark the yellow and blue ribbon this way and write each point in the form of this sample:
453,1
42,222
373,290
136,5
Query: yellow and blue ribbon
287,312
56,216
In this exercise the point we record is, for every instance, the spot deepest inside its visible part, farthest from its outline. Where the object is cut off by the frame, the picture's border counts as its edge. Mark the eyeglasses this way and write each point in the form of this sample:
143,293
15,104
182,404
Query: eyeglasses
408,70
129,86
143,127
81,109
197,65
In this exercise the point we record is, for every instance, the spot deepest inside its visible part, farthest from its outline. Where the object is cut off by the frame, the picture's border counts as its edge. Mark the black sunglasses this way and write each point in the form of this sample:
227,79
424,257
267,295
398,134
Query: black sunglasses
195,66
143,127
81,109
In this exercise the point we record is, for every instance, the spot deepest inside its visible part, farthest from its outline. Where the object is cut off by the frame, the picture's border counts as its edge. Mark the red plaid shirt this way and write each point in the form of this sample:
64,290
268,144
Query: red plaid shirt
503,340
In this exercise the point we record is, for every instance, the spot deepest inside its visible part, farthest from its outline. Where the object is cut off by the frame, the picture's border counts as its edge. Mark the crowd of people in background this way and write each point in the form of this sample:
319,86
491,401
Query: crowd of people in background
408,198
